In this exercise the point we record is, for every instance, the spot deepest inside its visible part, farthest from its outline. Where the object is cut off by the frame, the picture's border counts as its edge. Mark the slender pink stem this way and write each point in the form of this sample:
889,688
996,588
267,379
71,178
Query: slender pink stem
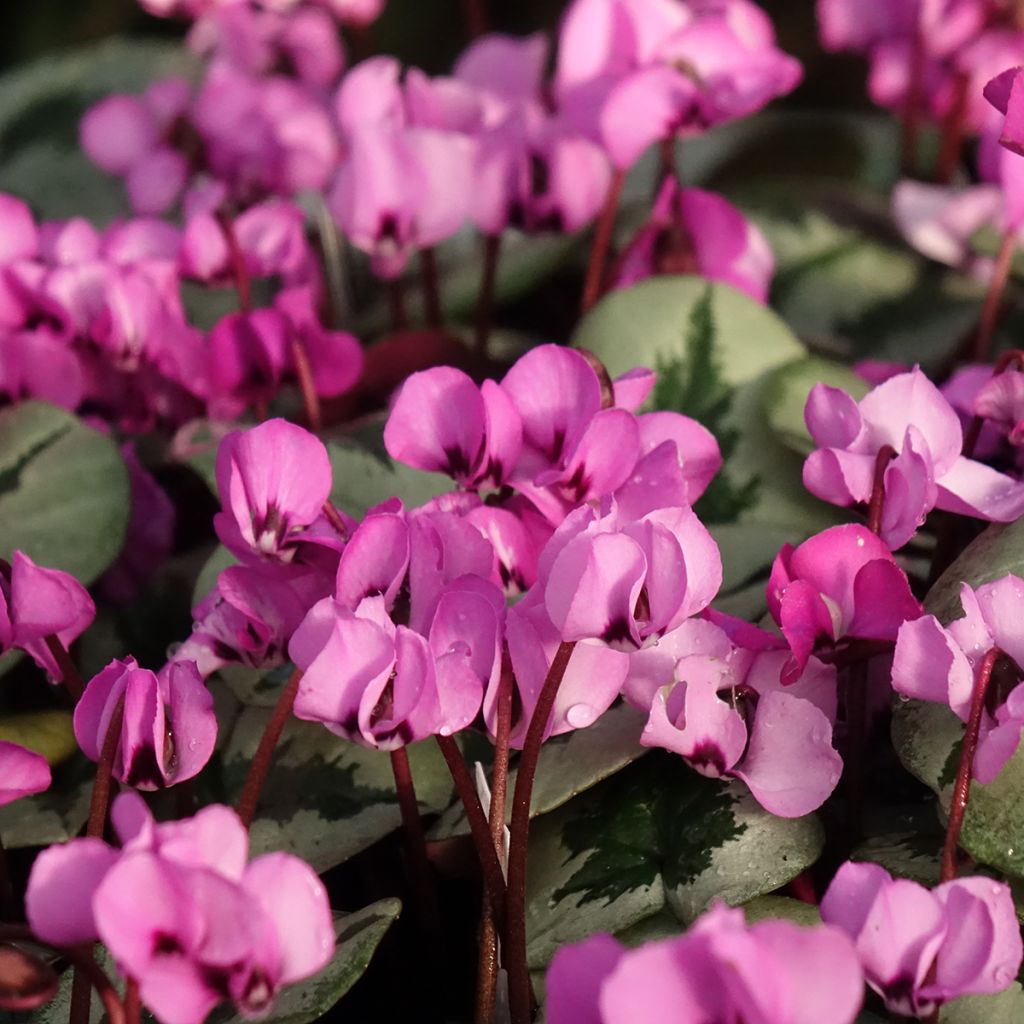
430,281
485,302
260,766
954,129
479,828
912,108
243,283
994,297
132,1002
877,503
307,385
396,302
594,284
334,518
962,786
520,996
70,675
98,807
416,847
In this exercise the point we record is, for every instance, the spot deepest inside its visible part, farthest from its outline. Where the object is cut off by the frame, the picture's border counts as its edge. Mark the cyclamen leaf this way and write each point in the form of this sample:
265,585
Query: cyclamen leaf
49,733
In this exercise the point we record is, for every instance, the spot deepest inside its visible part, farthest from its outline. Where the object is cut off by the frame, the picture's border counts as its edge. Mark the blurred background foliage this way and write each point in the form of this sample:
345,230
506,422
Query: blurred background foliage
427,33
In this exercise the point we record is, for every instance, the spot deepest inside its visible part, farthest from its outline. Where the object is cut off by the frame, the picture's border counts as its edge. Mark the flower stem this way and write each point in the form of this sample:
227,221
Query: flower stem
485,301
243,283
494,879
520,996
993,298
954,127
962,786
431,285
489,962
877,504
911,126
334,518
249,799
132,1002
70,675
307,385
396,303
81,993
594,283
475,16
416,848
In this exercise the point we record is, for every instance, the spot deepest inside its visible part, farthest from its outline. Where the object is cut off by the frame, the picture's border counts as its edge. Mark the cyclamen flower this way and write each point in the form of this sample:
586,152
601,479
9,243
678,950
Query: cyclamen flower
386,683
719,972
908,413
841,583
726,712
921,948
22,773
1000,402
36,603
1006,93
273,481
940,664
691,231
183,913
168,725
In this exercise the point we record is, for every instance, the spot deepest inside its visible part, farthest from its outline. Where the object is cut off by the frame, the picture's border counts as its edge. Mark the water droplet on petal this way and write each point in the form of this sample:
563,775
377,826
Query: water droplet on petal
446,730
580,715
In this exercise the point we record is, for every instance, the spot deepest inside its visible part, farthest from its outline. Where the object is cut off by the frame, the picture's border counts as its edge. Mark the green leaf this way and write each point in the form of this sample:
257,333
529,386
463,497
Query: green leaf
785,395
647,324
656,834
771,907
569,764
1006,1007
912,855
358,936
49,733
64,495
325,799
54,816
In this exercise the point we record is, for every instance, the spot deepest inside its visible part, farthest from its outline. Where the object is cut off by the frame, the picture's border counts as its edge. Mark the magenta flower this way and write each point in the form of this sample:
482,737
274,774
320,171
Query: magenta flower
36,603
841,583
940,664
168,728
922,948
1006,93
273,482
23,772
183,913
693,231
444,423
908,413
1000,401
726,712
719,972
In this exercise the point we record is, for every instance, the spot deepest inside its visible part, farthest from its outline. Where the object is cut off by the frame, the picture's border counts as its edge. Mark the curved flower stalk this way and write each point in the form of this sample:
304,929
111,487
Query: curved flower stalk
921,948
184,912
720,971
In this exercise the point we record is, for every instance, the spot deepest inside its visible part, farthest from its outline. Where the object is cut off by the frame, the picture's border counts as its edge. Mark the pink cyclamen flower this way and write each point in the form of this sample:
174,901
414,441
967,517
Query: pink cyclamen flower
727,713
719,972
36,603
1000,401
841,583
910,414
22,772
940,663
183,913
168,726
273,482
693,231
921,948
1006,93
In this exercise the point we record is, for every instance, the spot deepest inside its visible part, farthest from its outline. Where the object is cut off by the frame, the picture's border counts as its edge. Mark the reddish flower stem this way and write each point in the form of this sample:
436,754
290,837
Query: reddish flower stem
520,996
954,129
485,301
416,847
494,879
260,766
396,304
334,518
430,282
993,298
475,15
83,960
489,962
7,904
70,675
594,284
81,994
877,503
132,1002
962,786
911,126
307,385
240,269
